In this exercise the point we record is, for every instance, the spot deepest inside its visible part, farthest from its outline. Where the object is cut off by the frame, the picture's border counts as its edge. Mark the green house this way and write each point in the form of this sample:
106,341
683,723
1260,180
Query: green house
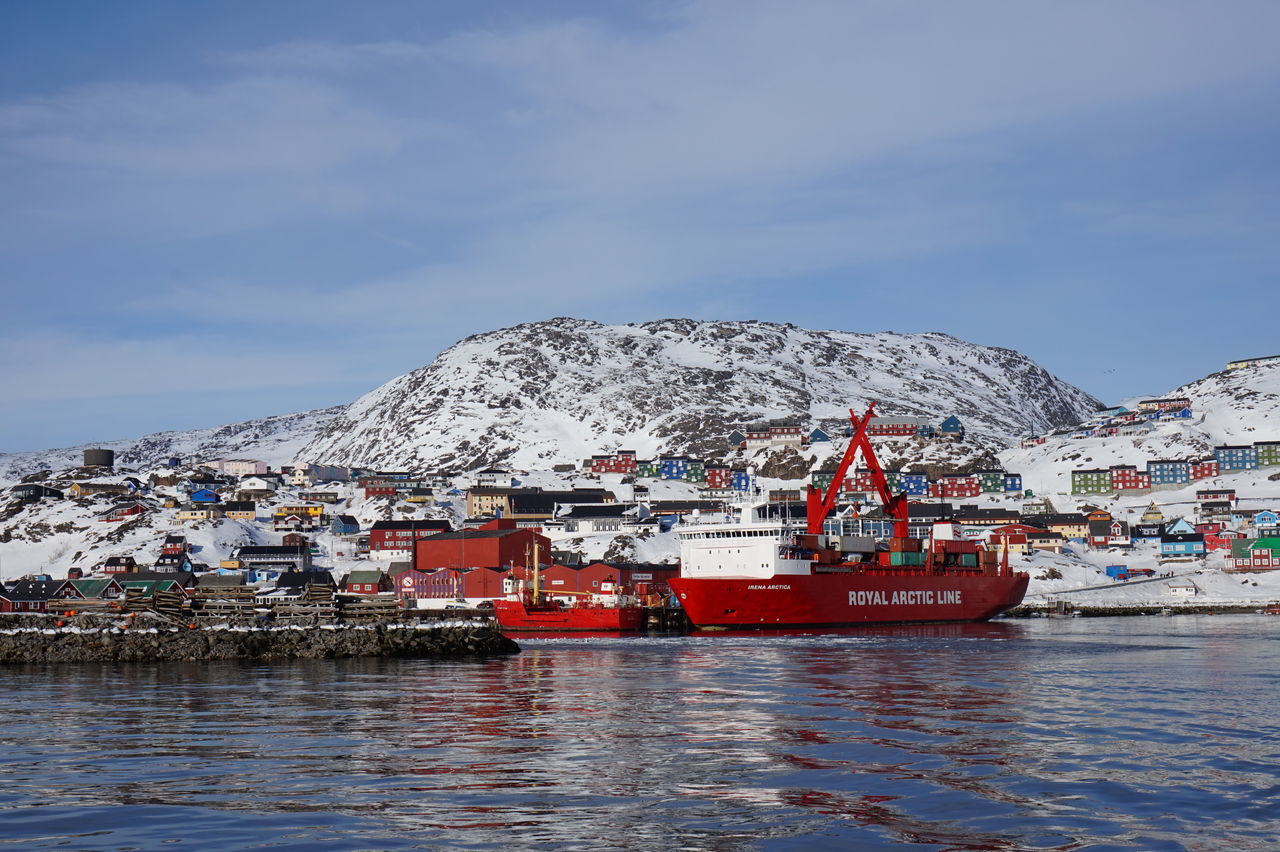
1092,481
991,481
1268,453
696,471
647,469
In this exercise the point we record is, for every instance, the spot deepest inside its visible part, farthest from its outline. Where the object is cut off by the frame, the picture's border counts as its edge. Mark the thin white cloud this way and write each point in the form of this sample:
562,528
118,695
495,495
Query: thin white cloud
246,127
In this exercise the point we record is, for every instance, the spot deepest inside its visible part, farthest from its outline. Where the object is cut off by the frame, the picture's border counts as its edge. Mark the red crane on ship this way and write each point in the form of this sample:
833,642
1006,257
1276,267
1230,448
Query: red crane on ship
820,505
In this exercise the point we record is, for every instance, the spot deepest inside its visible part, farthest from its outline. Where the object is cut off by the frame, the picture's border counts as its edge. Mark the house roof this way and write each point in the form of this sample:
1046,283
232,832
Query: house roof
33,590
250,551
186,579
424,524
296,579
365,577
93,587
598,510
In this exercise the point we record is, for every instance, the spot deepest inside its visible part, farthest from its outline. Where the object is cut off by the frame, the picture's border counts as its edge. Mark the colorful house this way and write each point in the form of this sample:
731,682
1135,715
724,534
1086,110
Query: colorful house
1165,472
1091,481
1236,457
1261,554
1204,468
1182,544
367,583
1268,453
951,428
240,510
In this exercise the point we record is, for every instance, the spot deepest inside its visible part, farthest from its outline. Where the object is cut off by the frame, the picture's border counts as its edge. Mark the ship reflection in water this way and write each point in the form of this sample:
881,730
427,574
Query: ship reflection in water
1063,734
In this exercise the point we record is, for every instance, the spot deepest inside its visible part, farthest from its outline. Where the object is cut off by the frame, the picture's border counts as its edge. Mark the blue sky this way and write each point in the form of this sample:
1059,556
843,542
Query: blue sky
216,212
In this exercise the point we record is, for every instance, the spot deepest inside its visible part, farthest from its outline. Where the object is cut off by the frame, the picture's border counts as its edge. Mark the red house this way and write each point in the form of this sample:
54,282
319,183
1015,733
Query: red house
623,461
1126,477
1221,540
1203,469
954,485
377,488
121,511
1216,495
401,535
174,545
718,475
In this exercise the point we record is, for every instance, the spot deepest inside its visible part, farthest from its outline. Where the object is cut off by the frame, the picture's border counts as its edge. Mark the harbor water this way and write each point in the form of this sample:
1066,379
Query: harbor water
1116,733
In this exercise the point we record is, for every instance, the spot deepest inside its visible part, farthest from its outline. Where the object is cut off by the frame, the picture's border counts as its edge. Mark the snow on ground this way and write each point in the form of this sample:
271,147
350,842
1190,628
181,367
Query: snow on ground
1083,579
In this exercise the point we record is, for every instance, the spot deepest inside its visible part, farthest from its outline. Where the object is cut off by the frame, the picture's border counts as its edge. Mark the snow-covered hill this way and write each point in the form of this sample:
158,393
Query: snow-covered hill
1231,407
564,389
275,440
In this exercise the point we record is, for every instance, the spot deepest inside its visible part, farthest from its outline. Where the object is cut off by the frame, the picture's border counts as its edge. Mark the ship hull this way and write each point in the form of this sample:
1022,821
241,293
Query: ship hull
846,600
516,616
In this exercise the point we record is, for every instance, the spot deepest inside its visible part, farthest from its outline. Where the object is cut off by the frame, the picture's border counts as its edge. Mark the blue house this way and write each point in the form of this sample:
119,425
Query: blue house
736,438
1013,482
1182,544
263,575
926,430
1108,413
951,427
204,495
915,484
817,436
344,525
1181,526
739,480
1242,457
673,467
1166,472
1178,414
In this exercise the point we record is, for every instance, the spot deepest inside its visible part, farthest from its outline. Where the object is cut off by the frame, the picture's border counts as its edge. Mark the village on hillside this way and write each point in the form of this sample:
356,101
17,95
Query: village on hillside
235,528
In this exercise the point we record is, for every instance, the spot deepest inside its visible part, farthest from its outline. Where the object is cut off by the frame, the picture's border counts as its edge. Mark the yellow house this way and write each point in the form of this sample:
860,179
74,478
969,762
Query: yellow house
240,510
300,511
84,489
1070,525
483,502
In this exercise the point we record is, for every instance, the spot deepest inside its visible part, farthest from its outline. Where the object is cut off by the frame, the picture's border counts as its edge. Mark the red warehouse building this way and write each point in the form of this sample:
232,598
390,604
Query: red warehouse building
497,544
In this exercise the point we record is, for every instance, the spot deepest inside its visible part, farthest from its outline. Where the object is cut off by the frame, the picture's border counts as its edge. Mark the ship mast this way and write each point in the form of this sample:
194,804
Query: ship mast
819,505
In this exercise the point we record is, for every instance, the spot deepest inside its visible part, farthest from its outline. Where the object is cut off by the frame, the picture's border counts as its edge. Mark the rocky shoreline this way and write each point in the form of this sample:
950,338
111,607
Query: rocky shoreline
97,639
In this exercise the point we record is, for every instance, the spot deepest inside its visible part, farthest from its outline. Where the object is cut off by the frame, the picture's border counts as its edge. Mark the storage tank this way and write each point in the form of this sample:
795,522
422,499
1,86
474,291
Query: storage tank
100,458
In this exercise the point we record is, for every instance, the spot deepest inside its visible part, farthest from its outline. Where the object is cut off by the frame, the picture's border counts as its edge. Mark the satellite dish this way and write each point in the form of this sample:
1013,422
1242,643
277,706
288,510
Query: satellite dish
696,513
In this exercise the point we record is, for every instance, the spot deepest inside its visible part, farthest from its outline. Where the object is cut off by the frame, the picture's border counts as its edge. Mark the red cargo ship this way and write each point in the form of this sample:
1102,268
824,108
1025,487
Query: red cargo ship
754,574
533,609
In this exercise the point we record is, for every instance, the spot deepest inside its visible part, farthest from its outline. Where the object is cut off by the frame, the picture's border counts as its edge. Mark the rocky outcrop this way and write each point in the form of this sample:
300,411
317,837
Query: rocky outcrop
561,390
94,639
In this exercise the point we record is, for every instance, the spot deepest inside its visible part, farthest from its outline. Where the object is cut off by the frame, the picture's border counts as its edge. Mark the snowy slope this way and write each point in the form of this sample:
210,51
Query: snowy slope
564,389
275,440
1233,407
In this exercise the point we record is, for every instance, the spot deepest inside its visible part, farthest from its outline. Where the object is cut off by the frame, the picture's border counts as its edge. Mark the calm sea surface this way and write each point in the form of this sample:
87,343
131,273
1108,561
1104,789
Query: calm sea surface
1137,733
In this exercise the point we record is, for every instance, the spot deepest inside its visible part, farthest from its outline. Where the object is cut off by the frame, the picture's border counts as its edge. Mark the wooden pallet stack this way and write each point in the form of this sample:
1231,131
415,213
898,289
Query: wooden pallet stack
361,611
171,604
83,607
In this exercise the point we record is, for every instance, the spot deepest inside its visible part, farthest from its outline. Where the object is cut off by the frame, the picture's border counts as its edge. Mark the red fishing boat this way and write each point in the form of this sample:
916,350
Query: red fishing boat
764,574
531,608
